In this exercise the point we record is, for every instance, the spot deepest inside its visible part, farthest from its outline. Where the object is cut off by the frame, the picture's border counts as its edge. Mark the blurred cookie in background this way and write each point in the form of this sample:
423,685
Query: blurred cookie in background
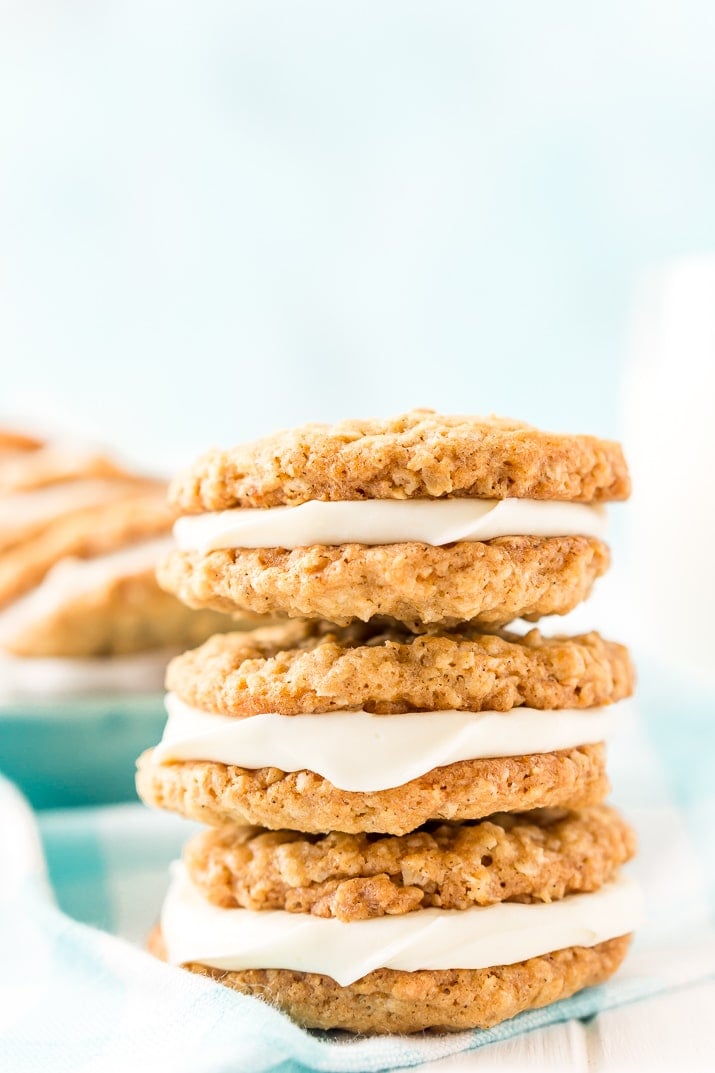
85,630
15,443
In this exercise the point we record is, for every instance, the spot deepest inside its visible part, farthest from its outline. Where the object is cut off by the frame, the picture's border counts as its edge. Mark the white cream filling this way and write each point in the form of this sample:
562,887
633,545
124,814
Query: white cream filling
386,521
360,753
71,578
477,938
32,679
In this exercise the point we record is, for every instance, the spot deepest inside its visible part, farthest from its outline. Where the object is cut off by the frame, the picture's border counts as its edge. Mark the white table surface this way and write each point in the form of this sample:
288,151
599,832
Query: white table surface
674,1032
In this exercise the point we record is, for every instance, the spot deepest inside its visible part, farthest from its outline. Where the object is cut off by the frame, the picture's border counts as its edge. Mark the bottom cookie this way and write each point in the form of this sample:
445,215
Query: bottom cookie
393,1001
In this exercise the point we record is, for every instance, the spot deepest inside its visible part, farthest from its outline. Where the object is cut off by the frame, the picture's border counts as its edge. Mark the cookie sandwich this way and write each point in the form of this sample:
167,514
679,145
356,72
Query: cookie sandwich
363,932
429,520
371,728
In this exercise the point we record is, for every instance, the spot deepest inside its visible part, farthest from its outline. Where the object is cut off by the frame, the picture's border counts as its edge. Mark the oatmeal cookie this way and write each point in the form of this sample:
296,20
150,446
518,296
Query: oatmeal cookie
218,794
418,454
537,856
304,667
491,582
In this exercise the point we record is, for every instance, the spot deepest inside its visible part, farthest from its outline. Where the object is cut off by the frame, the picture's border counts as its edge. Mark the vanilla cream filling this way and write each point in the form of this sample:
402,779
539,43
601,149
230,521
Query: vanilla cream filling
71,578
361,753
386,521
32,678
42,505
476,938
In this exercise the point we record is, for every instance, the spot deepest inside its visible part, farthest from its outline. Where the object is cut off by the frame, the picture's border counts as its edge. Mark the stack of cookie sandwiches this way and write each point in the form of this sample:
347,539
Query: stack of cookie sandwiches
404,800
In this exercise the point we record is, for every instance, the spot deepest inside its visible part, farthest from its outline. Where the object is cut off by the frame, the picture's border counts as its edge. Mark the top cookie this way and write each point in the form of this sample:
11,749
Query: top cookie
419,454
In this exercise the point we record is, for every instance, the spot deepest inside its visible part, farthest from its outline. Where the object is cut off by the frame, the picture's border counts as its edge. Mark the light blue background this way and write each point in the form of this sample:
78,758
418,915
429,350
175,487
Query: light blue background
220,217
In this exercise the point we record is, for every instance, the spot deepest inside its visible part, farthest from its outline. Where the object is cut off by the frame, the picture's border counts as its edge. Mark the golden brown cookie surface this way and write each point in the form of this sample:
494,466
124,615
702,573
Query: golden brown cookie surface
525,857
418,454
391,1001
490,583
306,667
218,794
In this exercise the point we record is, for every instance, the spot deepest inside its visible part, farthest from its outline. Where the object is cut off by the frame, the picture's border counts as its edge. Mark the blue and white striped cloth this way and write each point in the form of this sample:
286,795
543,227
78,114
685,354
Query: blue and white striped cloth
79,890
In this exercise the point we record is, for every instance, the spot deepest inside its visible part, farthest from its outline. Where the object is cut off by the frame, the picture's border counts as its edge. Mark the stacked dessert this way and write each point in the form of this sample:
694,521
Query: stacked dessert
428,846
80,608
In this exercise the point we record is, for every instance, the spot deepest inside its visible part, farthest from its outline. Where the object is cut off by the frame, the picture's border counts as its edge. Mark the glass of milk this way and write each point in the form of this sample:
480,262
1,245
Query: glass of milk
669,433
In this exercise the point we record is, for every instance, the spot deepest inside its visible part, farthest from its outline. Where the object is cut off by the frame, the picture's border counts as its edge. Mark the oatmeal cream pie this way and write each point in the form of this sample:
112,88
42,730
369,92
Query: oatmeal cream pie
371,728
79,539
422,518
450,927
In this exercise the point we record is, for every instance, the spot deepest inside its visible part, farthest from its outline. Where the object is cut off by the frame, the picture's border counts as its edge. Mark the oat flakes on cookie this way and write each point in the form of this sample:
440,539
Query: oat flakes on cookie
420,454
306,667
217,793
537,856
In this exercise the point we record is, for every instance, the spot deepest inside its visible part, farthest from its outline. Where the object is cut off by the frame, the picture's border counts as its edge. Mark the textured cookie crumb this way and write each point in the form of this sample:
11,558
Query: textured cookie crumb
416,584
537,856
218,794
303,667
417,454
